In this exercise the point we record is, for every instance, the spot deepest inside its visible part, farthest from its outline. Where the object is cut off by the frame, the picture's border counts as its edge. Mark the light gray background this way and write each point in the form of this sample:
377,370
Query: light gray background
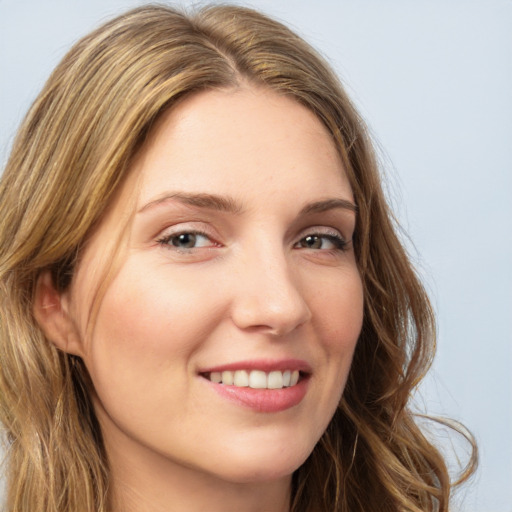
433,78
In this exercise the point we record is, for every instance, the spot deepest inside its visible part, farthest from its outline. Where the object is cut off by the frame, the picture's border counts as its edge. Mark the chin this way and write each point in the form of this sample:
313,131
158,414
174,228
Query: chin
263,465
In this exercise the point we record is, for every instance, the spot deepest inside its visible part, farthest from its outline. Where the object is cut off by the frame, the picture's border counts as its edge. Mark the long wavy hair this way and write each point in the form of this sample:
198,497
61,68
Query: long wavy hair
71,154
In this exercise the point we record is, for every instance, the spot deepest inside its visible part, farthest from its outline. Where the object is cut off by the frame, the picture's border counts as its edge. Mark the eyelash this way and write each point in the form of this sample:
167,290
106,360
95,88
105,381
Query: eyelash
338,242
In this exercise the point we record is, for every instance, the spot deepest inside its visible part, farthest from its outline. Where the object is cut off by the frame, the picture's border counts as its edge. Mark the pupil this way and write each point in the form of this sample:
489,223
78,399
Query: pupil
312,241
186,240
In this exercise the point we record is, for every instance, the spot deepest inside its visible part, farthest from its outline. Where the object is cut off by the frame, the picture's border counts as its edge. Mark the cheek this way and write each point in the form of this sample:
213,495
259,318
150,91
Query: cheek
339,318
147,329
338,311
155,308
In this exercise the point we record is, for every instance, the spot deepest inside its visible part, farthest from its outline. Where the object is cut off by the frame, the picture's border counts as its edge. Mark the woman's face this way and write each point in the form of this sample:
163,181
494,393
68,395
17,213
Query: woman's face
238,269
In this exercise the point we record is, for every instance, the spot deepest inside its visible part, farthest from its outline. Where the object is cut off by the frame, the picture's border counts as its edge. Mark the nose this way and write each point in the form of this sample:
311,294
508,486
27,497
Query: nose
269,298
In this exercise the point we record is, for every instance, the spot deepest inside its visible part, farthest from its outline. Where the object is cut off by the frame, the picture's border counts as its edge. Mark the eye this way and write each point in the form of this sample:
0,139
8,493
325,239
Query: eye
322,241
187,240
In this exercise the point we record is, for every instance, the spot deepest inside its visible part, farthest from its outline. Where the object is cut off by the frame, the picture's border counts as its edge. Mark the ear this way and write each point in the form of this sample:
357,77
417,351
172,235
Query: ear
51,311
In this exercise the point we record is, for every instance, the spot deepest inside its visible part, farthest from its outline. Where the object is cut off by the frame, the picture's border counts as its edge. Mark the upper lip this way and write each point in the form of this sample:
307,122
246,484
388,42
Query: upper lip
266,365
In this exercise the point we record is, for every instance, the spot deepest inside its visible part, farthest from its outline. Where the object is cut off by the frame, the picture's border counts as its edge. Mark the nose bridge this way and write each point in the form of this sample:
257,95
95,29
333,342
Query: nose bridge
269,295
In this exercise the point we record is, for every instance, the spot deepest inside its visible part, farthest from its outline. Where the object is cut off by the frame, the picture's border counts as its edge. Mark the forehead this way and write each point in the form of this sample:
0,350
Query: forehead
238,142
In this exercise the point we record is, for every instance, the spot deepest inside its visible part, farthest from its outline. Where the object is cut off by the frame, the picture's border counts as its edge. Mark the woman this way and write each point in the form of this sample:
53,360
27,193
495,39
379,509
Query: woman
204,302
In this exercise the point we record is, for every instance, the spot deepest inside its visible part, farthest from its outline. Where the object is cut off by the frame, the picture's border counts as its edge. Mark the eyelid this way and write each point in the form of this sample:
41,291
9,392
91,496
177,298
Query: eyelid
323,230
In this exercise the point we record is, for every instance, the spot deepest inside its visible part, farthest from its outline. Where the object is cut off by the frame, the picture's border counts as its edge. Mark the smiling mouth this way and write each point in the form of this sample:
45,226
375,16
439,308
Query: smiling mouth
256,379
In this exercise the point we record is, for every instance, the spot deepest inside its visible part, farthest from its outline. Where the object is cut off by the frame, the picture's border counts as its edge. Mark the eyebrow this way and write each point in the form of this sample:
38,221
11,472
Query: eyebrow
328,204
200,200
229,205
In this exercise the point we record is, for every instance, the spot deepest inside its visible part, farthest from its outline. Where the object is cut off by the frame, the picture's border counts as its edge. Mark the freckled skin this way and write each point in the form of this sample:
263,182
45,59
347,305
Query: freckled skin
249,289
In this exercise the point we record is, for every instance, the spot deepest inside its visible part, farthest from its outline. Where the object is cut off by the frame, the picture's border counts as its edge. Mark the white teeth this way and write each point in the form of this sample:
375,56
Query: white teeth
216,377
241,379
227,378
275,380
256,379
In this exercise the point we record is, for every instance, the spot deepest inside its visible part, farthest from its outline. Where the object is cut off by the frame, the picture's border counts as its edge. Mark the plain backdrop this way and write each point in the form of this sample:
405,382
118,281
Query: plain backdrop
433,79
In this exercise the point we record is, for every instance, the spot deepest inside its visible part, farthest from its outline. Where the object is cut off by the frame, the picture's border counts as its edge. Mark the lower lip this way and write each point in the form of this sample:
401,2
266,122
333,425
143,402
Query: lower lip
264,400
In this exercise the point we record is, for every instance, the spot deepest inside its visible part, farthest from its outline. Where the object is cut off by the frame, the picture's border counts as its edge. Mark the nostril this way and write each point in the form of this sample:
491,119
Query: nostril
266,314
